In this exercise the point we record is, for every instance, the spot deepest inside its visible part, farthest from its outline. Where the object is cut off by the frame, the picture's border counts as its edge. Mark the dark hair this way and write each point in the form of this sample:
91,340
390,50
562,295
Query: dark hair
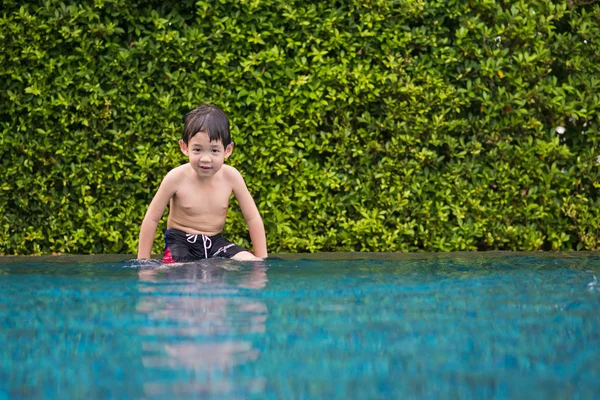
210,119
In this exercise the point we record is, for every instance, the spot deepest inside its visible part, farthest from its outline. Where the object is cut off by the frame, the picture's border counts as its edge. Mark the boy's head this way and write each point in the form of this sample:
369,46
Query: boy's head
210,119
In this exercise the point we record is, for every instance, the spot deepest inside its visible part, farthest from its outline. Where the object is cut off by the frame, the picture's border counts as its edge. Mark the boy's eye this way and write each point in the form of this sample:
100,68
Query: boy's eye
215,151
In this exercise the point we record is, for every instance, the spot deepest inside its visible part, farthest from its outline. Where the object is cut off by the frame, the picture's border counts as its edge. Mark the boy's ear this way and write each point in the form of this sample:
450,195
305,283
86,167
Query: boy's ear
183,147
229,150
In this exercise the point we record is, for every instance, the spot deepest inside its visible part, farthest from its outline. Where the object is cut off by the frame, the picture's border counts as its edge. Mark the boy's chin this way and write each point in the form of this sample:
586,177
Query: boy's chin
205,171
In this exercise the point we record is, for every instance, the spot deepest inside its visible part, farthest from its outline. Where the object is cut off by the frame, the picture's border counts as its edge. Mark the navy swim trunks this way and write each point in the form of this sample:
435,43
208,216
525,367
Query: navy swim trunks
185,247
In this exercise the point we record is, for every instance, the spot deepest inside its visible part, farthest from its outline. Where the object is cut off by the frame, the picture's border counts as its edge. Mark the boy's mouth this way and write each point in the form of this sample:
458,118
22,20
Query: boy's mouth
203,168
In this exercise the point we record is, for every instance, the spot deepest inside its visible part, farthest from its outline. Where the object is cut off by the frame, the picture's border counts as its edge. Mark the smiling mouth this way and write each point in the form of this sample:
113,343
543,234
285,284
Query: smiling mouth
204,168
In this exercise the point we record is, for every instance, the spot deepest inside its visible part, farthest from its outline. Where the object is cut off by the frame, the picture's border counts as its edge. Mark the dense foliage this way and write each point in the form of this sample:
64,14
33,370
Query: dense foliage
379,125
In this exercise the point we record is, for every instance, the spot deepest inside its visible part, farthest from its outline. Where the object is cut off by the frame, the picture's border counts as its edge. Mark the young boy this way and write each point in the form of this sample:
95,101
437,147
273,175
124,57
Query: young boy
199,193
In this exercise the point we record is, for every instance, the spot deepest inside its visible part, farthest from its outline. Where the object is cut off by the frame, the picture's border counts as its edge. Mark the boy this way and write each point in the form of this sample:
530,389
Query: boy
199,193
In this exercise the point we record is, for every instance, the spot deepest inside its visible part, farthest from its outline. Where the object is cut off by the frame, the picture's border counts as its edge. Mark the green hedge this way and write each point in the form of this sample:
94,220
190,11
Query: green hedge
370,125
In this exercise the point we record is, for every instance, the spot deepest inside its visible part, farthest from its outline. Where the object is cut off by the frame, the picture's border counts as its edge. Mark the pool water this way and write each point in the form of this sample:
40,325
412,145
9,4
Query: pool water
332,326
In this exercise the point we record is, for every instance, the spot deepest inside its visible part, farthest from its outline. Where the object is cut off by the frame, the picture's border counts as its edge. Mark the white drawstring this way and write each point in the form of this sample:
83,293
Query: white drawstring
191,238
206,239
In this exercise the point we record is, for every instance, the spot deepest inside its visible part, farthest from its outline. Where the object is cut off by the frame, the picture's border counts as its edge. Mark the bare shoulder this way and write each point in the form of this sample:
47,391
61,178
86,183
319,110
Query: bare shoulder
176,175
178,172
232,174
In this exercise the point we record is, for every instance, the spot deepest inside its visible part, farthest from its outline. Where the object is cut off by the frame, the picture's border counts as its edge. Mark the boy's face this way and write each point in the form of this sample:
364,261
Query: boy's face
206,157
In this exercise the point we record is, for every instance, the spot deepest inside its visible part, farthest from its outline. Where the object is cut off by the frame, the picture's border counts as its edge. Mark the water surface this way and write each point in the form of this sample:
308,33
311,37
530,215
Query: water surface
364,326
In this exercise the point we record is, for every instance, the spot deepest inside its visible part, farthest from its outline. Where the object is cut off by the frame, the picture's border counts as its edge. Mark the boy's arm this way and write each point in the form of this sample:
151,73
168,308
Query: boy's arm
154,214
251,214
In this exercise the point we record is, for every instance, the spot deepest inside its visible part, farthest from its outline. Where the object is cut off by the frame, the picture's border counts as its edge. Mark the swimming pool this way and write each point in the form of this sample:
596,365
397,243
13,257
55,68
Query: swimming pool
360,326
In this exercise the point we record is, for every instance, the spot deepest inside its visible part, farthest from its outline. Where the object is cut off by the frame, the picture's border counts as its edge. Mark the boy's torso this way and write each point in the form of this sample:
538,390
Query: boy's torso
199,206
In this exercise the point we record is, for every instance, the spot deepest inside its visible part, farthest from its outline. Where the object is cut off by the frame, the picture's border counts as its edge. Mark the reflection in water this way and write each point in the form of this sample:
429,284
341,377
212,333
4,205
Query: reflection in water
203,321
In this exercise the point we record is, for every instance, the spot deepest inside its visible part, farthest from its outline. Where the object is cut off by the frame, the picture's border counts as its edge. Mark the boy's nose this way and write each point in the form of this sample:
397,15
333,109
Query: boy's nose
205,157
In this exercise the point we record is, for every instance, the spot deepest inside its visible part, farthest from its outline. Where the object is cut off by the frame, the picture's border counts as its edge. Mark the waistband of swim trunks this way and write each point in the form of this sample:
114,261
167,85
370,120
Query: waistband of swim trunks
184,233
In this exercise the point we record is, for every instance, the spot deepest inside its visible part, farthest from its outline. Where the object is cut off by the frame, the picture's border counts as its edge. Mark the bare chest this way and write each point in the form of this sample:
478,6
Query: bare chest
195,199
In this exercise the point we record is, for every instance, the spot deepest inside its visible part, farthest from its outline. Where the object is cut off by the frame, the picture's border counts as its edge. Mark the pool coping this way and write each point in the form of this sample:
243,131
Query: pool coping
91,258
